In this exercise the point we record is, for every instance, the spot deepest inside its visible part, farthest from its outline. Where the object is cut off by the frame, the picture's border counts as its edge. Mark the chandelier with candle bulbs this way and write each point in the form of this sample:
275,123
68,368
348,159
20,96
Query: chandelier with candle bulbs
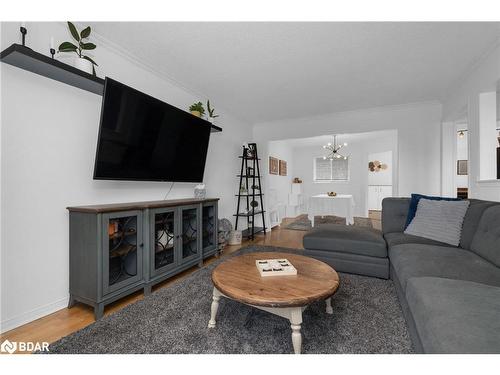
333,150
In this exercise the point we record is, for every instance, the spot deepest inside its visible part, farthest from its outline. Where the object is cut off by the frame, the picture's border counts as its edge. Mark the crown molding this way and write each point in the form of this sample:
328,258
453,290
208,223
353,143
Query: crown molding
134,59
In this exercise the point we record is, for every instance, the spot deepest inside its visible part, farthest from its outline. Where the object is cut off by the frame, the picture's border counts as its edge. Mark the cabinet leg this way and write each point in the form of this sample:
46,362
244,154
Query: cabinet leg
71,301
147,290
98,311
200,263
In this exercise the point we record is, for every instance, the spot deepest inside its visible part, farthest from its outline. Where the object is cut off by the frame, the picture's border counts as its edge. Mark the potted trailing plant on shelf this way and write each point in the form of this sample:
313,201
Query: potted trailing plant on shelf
211,113
197,109
82,61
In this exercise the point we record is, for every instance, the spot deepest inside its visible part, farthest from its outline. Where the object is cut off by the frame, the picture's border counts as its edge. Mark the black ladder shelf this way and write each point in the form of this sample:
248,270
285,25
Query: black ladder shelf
250,182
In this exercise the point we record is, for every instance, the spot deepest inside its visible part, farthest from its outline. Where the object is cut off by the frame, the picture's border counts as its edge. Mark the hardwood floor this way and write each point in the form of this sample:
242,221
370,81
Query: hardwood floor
66,321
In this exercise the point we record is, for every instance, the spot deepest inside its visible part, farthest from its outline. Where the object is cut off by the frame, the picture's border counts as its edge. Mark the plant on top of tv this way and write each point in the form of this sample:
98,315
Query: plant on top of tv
211,111
197,109
83,45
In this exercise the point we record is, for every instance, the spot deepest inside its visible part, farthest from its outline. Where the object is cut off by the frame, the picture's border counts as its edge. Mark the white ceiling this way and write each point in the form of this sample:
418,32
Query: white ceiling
267,71
350,138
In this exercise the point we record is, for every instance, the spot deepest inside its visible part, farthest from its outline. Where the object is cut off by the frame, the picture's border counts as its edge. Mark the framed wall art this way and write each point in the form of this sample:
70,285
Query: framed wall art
273,165
282,168
462,167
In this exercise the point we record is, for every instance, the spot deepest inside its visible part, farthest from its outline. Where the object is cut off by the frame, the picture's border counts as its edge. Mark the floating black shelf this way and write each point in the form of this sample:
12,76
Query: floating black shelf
25,58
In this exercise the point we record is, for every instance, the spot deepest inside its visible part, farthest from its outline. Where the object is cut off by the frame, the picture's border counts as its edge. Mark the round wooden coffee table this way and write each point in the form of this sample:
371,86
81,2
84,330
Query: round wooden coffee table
287,296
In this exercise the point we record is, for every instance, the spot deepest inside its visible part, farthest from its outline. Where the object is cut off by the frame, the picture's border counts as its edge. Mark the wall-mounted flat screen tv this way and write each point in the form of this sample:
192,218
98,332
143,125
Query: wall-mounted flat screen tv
142,138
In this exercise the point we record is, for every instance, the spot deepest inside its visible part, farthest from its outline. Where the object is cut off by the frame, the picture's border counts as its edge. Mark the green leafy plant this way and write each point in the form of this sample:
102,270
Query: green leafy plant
197,107
211,111
82,44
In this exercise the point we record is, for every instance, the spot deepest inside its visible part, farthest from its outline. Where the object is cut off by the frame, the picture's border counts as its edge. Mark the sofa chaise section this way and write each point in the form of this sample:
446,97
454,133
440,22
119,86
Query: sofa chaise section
349,249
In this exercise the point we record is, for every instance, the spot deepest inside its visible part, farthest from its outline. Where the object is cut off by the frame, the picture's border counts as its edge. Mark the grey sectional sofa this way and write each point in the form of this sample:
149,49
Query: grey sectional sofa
450,295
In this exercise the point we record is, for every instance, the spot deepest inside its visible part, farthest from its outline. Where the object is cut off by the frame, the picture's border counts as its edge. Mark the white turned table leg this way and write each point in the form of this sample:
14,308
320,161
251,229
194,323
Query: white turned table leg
296,338
329,309
214,308
296,321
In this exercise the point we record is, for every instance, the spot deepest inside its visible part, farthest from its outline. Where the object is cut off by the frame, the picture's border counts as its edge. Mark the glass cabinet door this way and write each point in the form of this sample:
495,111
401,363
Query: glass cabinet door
189,235
163,241
209,228
122,249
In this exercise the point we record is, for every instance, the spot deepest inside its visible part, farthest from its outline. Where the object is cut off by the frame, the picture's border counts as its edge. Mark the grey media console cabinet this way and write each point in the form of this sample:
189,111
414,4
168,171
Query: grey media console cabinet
117,249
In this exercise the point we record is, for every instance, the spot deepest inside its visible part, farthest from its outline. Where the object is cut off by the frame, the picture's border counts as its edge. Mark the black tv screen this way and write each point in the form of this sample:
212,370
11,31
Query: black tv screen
143,138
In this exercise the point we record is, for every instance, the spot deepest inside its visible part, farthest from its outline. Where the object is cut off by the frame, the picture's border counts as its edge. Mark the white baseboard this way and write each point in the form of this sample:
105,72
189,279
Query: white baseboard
29,316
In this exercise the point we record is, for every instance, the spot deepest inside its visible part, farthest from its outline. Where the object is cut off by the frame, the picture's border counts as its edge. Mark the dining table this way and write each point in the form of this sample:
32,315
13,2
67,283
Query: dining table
325,205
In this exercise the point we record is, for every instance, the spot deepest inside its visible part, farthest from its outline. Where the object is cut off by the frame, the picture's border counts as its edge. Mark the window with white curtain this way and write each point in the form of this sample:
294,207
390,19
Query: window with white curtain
326,170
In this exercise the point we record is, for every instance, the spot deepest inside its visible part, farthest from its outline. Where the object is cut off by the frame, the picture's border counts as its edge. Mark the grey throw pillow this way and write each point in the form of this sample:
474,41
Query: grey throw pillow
439,220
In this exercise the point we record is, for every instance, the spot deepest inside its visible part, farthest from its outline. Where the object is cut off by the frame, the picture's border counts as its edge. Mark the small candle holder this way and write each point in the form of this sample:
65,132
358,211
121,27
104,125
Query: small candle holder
52,52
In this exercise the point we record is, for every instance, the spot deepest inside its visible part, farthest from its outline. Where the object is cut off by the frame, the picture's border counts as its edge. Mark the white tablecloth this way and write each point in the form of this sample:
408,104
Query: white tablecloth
323,205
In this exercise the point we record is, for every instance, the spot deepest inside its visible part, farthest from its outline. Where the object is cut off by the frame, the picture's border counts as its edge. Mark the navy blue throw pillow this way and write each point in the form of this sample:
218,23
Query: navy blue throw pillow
415,198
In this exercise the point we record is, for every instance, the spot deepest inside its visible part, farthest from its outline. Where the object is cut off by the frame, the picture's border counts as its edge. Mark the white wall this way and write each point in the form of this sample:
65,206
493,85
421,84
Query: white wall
48,143
418,129
462,181
488,135
383,176
481,78
281,184
358,149
448,159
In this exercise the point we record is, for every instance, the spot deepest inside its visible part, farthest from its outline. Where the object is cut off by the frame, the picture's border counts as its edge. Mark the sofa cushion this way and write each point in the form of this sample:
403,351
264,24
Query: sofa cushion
486,241
455,316
394,214
417,260
439,220
346,238
415,199
399,238
471,220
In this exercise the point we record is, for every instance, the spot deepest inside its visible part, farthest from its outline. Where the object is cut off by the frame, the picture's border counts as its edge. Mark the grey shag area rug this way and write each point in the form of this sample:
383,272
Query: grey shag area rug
301,222
366,318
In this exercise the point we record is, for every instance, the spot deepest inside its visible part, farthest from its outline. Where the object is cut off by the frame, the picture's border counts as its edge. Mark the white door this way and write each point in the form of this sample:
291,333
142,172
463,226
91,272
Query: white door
384,192
376,194
373,197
